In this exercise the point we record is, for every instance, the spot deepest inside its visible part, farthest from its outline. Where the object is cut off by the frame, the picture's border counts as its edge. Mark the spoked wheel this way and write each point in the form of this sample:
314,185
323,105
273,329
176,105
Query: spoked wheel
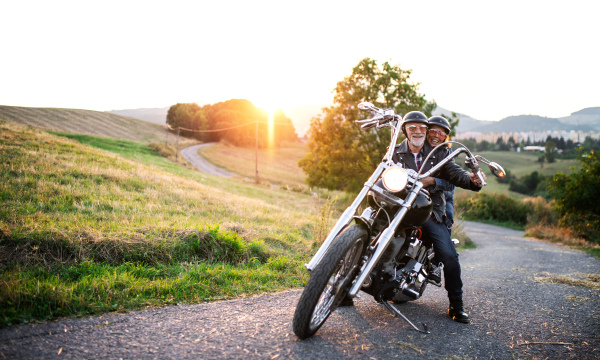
330,281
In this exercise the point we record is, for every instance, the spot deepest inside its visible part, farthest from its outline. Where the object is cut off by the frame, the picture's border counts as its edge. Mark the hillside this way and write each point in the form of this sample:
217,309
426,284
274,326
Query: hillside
85,231
87,122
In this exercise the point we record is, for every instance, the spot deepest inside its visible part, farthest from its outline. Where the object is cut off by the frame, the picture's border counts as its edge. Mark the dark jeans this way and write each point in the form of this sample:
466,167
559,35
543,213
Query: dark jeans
445,253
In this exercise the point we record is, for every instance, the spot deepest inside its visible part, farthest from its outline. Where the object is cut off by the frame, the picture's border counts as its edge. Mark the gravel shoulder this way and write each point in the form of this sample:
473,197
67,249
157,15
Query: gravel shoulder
515,315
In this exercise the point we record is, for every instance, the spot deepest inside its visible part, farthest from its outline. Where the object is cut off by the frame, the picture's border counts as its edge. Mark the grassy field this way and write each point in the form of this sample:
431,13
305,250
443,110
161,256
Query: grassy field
88,122
84,230
277,166
518,164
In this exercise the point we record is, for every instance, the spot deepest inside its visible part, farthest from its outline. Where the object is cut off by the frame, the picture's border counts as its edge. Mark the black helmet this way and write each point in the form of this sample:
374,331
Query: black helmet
413,116
439,121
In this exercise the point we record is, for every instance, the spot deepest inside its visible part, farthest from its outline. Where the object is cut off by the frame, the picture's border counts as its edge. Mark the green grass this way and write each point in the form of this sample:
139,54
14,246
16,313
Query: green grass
81,229
524,163
93,288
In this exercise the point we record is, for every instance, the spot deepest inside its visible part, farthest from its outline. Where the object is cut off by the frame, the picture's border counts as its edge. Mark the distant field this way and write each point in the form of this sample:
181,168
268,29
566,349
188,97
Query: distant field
518,164
86,122
277,166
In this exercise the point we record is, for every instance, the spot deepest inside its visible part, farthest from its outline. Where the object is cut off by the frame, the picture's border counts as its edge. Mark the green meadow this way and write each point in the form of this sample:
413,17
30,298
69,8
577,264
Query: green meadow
89,225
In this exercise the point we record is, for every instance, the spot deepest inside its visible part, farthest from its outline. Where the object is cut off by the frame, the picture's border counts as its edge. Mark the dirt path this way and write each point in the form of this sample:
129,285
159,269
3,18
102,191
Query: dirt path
515,315
191,155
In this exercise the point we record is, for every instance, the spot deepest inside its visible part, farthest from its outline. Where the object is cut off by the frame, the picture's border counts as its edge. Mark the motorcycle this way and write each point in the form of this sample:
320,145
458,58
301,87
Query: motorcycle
380,251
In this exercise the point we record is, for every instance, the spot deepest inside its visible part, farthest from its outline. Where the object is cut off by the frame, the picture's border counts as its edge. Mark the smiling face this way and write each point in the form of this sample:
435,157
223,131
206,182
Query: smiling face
436,135
416,133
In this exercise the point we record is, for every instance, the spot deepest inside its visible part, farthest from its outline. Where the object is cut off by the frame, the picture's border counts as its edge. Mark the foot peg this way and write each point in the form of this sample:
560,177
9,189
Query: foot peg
435,277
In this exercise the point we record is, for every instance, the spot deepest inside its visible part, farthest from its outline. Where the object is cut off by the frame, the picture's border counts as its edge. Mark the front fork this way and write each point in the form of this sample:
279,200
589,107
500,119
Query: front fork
345,219
384,240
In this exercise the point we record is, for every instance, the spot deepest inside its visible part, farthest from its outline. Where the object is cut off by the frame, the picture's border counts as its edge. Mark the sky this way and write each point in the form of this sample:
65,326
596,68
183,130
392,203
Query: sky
485,59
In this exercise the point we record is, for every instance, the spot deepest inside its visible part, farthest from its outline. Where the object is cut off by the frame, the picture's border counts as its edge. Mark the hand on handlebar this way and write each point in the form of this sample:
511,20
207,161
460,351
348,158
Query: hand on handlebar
478,178
428,181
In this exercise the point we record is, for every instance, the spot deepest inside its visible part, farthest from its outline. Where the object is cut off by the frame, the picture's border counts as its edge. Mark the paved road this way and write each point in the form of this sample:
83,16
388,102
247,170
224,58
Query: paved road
508,306
191,155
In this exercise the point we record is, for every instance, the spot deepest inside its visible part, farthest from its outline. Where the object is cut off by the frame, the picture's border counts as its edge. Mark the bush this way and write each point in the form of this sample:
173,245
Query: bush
496,208
576,197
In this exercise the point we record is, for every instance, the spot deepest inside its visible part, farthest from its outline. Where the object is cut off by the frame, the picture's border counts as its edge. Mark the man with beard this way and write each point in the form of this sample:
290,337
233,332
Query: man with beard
411,153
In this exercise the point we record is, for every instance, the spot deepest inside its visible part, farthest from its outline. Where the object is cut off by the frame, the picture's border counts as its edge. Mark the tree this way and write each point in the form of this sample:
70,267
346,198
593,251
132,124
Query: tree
240,118
576,196
342,156
187,116
484,145
550,151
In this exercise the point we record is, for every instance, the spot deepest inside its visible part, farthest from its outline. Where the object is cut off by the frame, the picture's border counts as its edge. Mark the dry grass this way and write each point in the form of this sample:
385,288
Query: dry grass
590,281
86,122
557,234
278,165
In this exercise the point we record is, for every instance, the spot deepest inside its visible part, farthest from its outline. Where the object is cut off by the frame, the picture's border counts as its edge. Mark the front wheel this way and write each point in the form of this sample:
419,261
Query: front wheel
330,281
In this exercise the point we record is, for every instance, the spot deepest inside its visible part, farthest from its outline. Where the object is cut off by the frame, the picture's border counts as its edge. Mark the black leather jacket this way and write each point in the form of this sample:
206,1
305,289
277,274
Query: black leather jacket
450,172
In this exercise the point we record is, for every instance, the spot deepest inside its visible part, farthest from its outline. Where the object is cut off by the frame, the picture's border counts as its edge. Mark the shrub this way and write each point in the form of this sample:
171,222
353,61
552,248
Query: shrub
494,207
576,197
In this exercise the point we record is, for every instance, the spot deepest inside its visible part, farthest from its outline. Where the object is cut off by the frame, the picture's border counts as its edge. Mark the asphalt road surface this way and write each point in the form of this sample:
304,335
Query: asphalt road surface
514,315
191,154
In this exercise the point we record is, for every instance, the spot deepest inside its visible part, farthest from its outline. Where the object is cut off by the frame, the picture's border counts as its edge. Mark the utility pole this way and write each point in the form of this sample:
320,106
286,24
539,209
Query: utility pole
177,144
256,153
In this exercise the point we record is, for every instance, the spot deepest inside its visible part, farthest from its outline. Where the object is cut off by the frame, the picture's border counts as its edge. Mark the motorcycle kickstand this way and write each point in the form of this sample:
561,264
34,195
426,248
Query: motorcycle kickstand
397,312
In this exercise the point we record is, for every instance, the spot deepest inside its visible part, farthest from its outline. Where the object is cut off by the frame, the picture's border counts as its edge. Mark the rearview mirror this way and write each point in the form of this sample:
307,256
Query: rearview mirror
366,106
496,169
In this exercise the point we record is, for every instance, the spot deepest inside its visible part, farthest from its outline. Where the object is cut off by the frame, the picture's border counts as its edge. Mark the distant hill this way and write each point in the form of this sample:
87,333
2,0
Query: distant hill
155,115
587,119
526,123
86,122
466,123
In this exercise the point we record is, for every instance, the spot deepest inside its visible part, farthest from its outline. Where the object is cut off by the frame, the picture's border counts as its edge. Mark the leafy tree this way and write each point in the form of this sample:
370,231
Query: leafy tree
342,156
284,128
484,145
550,151
240,117
576,196
187,116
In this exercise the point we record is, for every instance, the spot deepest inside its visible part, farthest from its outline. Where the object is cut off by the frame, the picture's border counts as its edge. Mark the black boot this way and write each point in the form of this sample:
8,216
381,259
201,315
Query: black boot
457,313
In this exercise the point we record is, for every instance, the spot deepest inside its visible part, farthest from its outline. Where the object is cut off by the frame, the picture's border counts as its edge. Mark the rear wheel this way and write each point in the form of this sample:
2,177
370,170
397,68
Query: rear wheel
330,281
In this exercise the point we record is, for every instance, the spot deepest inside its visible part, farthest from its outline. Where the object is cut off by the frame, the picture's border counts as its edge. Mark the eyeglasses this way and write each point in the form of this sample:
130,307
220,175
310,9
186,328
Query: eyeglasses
414,128
438,133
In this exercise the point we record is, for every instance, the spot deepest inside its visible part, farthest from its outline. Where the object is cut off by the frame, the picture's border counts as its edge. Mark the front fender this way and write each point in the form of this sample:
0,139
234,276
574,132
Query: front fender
359,220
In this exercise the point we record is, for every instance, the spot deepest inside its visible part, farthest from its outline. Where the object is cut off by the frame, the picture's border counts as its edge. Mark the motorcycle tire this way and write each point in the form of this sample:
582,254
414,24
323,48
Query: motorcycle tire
330,281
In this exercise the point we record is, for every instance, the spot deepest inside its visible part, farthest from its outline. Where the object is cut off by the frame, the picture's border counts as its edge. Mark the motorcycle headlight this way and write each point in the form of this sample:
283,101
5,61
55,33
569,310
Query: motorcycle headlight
395,179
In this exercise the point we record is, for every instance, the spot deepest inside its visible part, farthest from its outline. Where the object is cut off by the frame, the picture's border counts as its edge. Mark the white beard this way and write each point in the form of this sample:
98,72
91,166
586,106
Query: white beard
417,142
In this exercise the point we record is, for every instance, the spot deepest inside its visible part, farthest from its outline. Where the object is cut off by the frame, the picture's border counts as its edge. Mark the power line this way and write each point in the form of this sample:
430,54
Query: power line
228,128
